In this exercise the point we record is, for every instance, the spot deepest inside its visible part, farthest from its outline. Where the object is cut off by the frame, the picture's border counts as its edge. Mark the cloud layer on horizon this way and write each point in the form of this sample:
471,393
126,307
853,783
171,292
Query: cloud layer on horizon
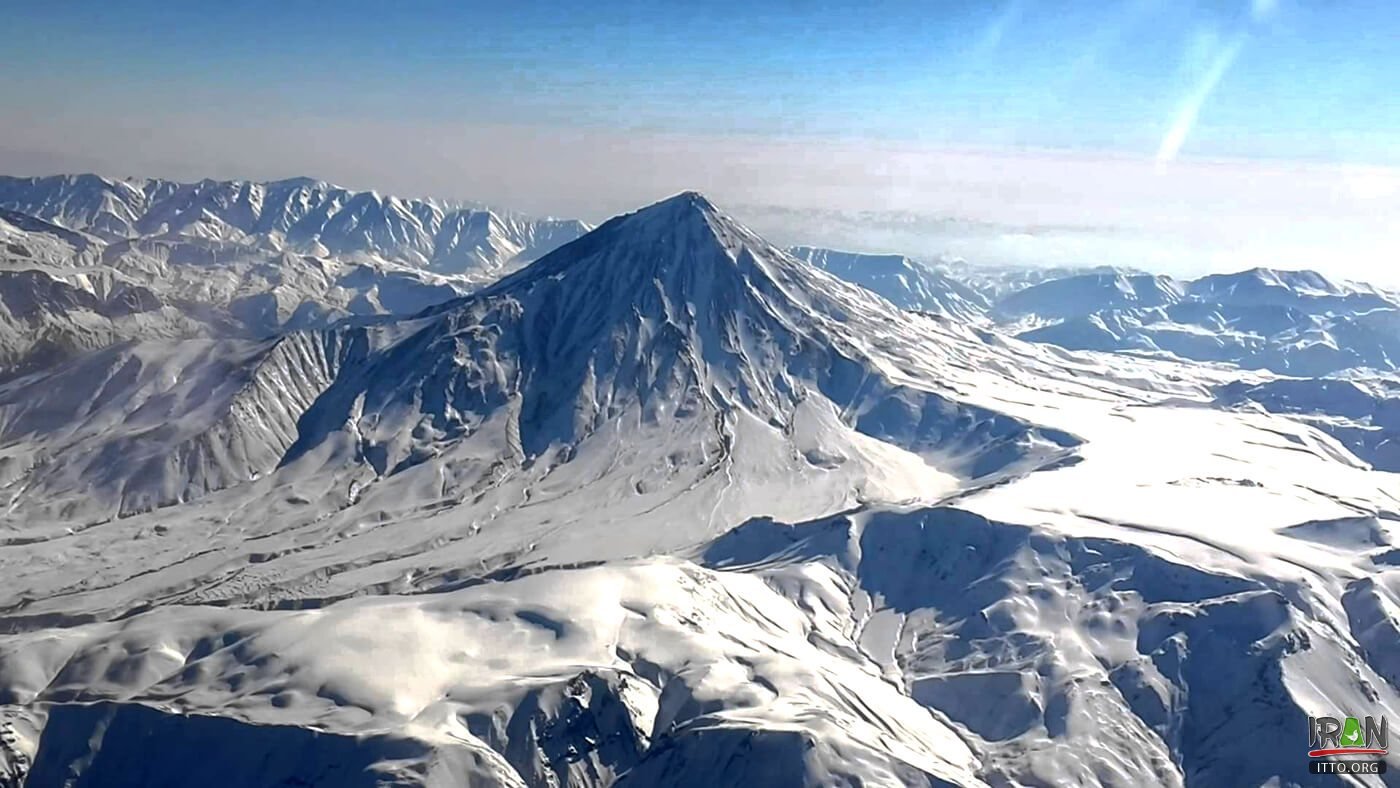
993,205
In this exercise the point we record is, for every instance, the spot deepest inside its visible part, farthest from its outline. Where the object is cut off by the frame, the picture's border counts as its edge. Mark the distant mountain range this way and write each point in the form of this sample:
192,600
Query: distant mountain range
904,282
295,215
232,258
1291,322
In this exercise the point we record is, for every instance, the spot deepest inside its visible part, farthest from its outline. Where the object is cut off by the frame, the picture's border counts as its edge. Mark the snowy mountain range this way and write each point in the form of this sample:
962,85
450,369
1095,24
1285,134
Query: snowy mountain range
903,282
226,259
297,214
1291,322
668,505
1074,296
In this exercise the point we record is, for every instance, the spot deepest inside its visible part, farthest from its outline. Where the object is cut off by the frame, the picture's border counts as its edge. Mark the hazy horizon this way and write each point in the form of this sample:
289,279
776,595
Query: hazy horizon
1176,137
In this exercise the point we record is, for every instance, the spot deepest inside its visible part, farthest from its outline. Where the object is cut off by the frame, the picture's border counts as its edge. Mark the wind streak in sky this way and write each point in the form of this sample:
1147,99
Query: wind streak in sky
1190,109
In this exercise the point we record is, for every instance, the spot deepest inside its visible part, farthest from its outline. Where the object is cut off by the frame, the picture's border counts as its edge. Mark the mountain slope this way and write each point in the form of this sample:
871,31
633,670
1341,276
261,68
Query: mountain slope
1071,659
35,241
901,281
1088,293
1360,411
108,208
168,423
44,320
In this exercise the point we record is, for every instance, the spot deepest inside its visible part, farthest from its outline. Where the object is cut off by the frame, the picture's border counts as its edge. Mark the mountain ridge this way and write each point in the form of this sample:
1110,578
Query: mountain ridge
901,280
241,259
297,214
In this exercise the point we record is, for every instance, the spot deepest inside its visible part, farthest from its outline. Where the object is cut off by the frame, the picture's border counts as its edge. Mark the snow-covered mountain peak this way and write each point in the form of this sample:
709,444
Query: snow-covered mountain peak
300,181
1271,285
677,204
687,215
682,250
677,321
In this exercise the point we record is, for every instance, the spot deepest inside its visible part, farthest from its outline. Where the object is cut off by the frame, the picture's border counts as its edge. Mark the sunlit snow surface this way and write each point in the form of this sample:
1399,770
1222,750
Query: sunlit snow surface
670,507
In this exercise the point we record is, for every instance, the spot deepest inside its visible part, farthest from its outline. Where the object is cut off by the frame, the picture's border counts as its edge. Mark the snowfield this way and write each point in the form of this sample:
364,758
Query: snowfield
671,506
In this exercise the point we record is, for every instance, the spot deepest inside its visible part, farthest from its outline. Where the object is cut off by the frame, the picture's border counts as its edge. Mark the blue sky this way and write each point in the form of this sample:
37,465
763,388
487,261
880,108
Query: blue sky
590,108
1309,78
